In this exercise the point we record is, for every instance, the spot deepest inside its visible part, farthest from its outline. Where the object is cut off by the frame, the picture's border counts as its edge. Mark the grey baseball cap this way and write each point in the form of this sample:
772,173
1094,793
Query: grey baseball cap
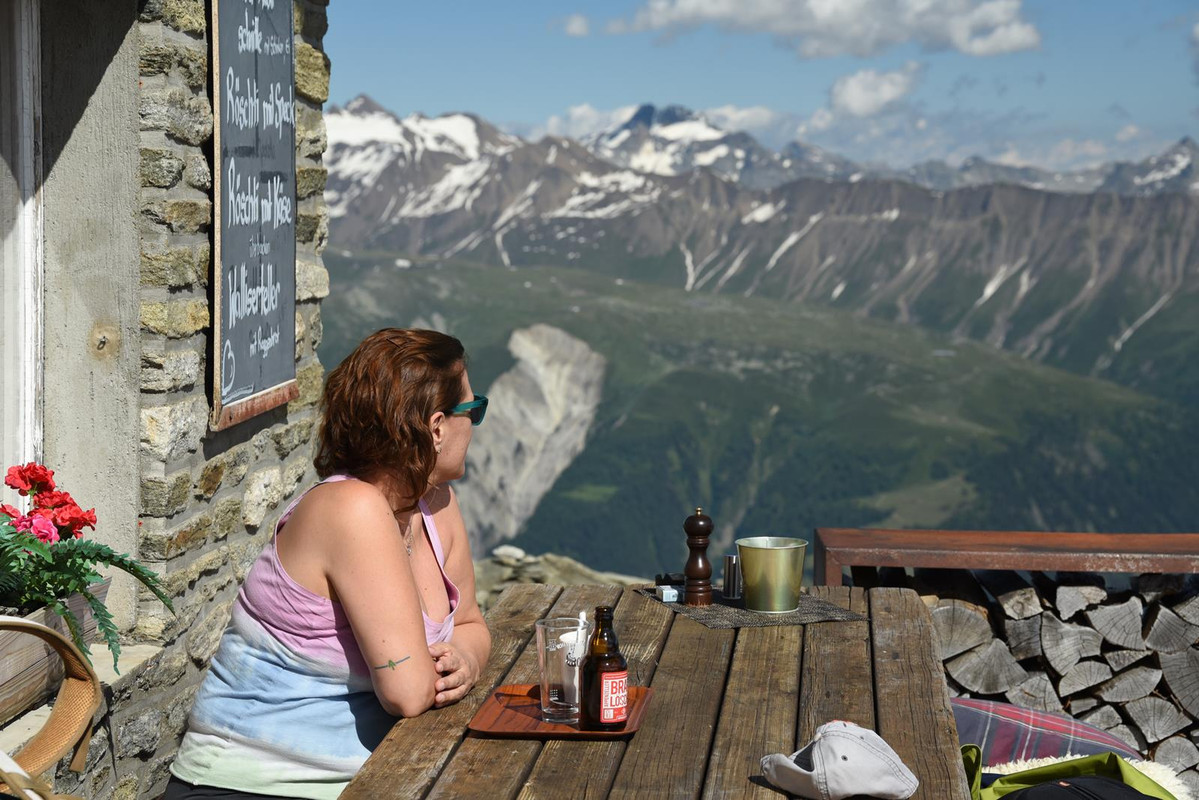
842,760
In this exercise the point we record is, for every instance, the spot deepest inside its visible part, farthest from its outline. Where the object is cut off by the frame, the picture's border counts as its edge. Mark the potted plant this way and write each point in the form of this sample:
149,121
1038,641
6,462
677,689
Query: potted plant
45,559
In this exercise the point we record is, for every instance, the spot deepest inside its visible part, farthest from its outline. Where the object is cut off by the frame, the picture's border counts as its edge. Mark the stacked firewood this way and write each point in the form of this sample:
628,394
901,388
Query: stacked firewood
1125,661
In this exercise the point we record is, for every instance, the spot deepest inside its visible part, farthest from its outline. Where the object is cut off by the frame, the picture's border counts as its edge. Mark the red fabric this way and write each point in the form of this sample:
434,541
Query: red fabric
1005,732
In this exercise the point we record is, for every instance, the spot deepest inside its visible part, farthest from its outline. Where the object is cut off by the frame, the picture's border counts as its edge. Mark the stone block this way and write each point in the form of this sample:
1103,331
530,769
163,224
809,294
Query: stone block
165,497
177,580
184,116
293,473
160,167
203,638
310,181
187,16
316,328
197,174
182,216
139,733
310,380
264,490
226,469
312,226
301,330
126,788
311,138
171,431
175,319
170,371
312,281
181,706
227,518
175,267
291,436
312,73
163,57
177,541
311,21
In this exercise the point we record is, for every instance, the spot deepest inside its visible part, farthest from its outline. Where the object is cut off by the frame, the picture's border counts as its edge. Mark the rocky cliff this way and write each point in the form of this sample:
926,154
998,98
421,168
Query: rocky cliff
537,423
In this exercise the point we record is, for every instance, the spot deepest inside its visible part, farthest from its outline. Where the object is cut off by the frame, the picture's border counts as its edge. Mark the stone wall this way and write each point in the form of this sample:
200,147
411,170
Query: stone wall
208,500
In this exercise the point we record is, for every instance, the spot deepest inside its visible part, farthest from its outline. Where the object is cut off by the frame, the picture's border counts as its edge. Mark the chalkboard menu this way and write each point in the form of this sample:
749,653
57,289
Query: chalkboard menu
254,286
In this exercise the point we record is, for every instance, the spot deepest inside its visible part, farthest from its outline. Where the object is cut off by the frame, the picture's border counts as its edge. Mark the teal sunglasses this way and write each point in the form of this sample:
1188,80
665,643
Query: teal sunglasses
475,409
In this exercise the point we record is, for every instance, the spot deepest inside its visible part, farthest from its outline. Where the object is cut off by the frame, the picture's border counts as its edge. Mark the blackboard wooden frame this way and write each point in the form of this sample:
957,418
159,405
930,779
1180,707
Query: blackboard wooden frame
227,413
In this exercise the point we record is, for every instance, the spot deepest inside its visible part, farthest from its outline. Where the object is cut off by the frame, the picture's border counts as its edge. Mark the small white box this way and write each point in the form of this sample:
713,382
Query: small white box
667,594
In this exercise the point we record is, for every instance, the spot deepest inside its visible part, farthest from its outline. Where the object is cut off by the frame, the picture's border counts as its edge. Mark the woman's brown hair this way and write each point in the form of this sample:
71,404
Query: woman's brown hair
377,403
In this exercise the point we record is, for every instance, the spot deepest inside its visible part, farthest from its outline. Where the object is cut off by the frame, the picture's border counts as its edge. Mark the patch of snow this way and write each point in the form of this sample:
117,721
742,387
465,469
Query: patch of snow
553,154
998,279
357,129
650,159
837,291
403,263
453,133
692,130
689,265
1026,283
791,240
910,263
1180,162
711,156
499,245
1148,315
762,213
733,268
887,216
457,189
857,176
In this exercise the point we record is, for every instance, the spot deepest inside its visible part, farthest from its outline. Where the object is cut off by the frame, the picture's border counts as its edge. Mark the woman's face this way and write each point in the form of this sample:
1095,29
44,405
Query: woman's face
455,433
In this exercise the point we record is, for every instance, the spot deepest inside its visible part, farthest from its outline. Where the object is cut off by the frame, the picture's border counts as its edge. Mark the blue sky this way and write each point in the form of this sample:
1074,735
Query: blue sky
1057,83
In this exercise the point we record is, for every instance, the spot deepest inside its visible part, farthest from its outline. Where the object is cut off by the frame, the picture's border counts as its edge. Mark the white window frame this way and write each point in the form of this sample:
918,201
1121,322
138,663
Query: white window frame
21,259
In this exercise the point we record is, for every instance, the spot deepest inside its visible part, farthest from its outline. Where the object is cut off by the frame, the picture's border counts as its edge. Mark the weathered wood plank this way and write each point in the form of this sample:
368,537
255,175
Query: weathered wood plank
668,757
580,769
494,768
759,712
838,679
416,750
914,715
1133,553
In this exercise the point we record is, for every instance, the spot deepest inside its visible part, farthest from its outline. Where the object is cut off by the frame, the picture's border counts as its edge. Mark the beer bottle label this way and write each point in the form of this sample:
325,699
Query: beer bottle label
614,696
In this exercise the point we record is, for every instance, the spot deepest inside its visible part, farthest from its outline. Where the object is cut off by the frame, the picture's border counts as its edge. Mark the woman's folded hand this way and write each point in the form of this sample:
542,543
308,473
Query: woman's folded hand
458,672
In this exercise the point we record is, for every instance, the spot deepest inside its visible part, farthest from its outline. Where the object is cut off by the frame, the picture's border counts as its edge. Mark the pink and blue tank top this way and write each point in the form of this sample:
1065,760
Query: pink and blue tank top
287,707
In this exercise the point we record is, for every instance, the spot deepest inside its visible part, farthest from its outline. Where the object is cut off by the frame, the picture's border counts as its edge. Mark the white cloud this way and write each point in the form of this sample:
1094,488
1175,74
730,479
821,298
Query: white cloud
867,92
584,120
736,118
576,25
1195,50
1128,133
827,28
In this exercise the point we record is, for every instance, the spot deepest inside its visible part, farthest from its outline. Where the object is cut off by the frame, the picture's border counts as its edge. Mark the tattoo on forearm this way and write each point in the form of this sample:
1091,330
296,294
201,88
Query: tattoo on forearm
393,664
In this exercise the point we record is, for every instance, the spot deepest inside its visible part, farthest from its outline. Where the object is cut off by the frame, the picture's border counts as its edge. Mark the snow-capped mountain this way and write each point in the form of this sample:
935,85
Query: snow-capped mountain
1176,170
1061,277
675,140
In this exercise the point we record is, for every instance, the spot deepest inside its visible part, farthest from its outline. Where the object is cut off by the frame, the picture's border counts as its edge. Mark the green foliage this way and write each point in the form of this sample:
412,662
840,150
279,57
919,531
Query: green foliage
34,574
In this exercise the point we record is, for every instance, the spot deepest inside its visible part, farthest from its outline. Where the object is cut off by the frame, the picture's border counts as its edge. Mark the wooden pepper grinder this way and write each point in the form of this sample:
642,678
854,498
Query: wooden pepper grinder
698,572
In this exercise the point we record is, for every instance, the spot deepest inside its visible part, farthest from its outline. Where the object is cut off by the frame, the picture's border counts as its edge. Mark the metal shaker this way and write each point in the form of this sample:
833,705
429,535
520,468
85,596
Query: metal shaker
732,577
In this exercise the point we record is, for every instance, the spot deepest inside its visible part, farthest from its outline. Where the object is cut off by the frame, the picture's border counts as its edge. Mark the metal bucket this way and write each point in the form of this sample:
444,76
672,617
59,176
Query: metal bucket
771,572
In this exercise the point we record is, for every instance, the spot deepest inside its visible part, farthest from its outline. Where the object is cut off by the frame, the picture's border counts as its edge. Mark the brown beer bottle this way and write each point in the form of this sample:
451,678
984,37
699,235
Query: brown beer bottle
605,678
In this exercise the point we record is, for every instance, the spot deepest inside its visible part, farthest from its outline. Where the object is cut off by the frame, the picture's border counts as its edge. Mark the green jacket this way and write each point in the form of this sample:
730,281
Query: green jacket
1108,765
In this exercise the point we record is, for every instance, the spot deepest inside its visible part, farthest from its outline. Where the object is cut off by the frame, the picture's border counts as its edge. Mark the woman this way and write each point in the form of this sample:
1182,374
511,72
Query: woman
362,609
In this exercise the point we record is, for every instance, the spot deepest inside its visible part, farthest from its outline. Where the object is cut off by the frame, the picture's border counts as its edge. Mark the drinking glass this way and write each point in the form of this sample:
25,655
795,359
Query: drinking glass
561,646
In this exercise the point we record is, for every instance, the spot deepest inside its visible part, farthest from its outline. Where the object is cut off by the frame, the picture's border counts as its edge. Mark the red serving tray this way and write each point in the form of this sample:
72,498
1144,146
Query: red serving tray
514,712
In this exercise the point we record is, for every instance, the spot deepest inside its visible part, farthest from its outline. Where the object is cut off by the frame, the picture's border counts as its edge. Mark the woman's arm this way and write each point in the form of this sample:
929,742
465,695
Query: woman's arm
369,574
462,660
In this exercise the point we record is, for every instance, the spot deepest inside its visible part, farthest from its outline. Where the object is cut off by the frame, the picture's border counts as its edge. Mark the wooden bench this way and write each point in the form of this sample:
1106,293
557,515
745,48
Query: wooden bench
1134,553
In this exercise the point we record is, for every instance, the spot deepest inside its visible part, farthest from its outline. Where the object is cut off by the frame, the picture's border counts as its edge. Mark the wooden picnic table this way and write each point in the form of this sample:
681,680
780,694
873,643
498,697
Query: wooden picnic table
722,700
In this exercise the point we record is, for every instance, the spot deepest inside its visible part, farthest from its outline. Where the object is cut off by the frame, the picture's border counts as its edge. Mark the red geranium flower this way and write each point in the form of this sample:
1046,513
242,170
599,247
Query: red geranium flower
9,511
74,519
30,479
53,499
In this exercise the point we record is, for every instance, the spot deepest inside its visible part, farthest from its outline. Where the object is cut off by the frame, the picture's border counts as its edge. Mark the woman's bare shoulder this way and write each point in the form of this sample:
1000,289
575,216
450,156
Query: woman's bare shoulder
440,498
344,501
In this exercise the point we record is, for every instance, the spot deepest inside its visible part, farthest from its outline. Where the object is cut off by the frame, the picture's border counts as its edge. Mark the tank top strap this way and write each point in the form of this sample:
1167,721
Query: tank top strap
434,536
292,505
